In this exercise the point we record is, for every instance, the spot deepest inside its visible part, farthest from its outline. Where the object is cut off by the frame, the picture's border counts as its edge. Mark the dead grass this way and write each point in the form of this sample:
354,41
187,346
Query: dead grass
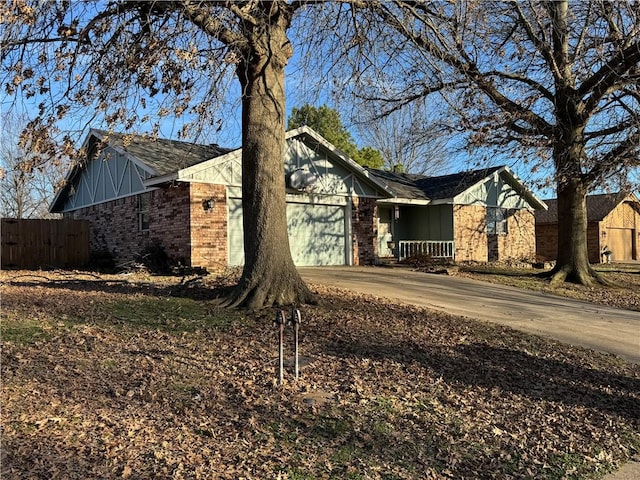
626,277
144,377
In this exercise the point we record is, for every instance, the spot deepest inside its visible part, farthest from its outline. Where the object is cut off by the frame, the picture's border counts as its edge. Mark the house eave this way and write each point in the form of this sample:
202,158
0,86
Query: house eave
514,182
154,181
521,188
404,201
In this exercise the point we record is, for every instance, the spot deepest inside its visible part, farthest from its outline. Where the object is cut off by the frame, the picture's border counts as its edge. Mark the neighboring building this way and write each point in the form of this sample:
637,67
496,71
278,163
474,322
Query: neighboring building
613,225
137,192
480,215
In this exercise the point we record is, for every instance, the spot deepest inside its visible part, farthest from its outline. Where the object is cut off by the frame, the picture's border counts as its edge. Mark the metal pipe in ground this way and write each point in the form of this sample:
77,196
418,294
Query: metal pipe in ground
280,323
295,320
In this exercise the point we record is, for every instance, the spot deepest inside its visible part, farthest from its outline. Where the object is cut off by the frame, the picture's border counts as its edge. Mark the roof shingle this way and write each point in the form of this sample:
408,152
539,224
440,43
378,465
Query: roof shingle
164,156
419,187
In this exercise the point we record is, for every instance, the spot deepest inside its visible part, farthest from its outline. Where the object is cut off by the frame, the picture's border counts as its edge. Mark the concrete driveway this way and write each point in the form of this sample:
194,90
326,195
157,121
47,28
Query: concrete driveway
570,321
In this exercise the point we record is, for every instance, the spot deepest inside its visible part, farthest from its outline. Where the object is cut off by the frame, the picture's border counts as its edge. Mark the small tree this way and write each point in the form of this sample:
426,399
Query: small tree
326,121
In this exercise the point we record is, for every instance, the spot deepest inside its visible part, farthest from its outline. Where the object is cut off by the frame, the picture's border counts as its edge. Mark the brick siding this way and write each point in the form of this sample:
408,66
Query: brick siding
520,241
470,233
114,225
208,227
169,221
474,245
178,222
364,231
547,241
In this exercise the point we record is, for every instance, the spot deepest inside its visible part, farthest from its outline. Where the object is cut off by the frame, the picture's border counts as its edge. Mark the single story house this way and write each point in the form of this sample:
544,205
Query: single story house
613,224
137,191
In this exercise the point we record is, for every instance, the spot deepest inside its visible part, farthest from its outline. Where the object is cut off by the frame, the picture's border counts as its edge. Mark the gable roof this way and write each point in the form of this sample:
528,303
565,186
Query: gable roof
445,188
161,155
165,160
154,156
307,134
310,135
598,207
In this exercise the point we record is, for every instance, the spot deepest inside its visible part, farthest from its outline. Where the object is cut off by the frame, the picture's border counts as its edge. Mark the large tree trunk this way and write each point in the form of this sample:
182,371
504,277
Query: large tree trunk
269,276
572,262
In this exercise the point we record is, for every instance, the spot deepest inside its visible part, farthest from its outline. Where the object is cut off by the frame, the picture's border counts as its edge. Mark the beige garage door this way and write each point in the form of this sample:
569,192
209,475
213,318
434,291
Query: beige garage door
620,241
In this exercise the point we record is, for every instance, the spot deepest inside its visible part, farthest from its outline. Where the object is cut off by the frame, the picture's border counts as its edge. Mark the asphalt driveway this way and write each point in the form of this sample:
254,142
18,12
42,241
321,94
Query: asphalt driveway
571,321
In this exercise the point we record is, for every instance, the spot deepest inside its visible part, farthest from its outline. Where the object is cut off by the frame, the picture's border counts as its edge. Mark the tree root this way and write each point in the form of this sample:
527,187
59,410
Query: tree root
581,276
256,295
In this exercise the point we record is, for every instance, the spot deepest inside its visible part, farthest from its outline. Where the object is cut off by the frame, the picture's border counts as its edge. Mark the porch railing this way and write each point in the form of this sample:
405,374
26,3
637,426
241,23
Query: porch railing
433,248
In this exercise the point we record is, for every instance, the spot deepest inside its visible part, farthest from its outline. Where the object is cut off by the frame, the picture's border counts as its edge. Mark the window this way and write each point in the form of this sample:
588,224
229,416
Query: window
144,206
496,221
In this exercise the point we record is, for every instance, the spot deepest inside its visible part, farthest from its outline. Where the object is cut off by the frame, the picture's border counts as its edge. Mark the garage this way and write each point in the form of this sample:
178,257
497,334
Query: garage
317,233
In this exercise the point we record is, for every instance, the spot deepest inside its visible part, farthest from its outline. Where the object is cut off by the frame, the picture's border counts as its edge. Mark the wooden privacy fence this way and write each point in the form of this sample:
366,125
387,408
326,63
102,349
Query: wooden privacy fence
44,243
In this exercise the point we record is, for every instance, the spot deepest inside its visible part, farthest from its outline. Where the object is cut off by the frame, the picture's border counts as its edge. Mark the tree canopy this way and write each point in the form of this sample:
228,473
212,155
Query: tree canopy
135,63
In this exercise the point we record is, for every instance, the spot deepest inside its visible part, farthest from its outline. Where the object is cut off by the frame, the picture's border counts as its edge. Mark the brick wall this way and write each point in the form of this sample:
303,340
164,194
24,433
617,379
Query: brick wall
470,237
593,242
520,241
547,242
473,244
364,231
114,225
189,234
208,227
169,221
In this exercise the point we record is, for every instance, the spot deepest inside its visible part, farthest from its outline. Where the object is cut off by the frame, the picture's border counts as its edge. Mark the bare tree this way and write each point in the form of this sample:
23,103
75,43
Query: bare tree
27,182
135,63
408,137
546,81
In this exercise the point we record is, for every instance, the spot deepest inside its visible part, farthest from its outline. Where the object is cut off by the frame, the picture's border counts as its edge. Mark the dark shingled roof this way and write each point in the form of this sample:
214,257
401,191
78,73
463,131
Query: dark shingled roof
418,187
598,207
401,184
162,155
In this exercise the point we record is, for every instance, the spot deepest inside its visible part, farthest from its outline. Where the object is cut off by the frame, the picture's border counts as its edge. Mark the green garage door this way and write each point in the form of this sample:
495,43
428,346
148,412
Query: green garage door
316,234
234,232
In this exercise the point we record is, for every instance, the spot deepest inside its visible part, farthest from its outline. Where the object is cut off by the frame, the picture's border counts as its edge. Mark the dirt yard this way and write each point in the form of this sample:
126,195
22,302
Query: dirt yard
135,376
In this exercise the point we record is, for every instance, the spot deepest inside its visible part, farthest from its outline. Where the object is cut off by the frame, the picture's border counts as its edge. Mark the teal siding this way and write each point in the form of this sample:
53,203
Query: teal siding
433,222
110,176
493,192
334,177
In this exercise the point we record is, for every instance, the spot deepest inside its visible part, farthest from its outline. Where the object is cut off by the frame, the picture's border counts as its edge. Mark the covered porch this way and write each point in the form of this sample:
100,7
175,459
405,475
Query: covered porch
415,228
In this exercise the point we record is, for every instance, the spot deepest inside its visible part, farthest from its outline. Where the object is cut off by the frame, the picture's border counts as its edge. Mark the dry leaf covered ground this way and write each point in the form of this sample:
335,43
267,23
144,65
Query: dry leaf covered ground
144,377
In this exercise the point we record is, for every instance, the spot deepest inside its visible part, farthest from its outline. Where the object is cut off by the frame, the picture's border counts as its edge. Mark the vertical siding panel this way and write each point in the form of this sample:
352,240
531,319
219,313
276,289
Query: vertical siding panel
36,243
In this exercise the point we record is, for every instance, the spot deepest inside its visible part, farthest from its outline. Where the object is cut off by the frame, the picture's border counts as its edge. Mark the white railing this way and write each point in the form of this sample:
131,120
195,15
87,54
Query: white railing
433,248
